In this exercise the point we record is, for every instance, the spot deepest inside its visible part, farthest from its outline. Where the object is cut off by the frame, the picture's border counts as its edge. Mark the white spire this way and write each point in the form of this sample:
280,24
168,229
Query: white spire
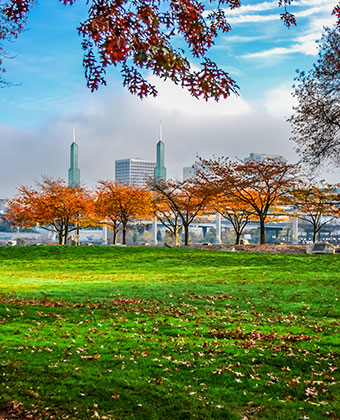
74,133
160,131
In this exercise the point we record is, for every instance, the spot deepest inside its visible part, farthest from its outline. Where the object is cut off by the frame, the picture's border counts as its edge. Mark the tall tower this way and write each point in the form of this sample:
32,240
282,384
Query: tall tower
74,171
160,170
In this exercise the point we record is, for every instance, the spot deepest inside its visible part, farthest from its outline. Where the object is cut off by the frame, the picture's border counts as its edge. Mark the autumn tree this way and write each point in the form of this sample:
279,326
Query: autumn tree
142,36
317,204
316,118
53,205
117,205
163,211
236,211
106,207
261,186
186,199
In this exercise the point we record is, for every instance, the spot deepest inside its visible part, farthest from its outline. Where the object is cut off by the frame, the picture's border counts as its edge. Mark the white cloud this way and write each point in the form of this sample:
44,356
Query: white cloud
115,126
110,127
249,18
248,8
173,98
279,101
240,39
304,44
329,3
273,5
253,18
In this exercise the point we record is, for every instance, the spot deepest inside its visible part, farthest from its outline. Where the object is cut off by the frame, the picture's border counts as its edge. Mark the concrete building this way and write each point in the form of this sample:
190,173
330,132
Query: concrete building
74,171
262,157
134,171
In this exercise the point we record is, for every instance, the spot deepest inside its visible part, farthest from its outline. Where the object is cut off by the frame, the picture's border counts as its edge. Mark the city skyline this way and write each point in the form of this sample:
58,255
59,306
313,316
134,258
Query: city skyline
36,116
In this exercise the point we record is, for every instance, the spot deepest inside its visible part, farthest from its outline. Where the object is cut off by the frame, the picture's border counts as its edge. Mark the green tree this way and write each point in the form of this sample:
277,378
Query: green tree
316,119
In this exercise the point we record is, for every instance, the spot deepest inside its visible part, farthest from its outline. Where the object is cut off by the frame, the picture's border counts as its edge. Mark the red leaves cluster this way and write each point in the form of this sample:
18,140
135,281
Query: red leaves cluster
127,301
258,336
224,297
140,36
16,11
16,411
94,357
287,18
336,12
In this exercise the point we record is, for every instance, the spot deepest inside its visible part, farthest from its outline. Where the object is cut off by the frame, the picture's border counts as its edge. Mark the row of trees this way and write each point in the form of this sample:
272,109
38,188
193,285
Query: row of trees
265,190
55,206
239,191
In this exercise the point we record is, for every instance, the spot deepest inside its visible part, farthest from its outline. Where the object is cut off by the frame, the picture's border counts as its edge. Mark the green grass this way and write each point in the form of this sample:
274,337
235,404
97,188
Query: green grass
153,333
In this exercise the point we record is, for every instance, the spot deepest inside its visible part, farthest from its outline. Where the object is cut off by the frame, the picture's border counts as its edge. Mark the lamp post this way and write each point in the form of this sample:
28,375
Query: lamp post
218,228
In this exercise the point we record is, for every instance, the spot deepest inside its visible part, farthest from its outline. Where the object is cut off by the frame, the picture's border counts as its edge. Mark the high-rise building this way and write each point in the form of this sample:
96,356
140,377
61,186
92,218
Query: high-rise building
262,157
74,171
188,172
160,169
134,171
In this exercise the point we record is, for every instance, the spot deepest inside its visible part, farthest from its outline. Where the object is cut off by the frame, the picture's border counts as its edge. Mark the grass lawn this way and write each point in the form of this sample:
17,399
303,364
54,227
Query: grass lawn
156,333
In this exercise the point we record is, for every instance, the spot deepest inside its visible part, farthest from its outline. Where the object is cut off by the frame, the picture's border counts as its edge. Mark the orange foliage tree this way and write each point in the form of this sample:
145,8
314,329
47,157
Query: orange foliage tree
186,199
116,205
141,36
165,214
237,212
262,186
53,205
317,204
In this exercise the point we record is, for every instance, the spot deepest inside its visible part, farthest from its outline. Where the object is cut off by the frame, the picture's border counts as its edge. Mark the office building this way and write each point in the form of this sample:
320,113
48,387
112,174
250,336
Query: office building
134,171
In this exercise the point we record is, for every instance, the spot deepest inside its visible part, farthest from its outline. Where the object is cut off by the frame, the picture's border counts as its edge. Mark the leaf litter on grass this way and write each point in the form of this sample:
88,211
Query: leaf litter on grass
174,349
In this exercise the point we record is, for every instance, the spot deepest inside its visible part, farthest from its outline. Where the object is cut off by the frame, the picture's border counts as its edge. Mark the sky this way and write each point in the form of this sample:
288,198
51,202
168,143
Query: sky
49,95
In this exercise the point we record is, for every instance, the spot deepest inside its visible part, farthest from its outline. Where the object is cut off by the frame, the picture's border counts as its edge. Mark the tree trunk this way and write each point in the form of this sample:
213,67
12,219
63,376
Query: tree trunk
115,232
65,235
315,235
61,238
114,240
238,237
124,234
186,235
177,238
262,232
